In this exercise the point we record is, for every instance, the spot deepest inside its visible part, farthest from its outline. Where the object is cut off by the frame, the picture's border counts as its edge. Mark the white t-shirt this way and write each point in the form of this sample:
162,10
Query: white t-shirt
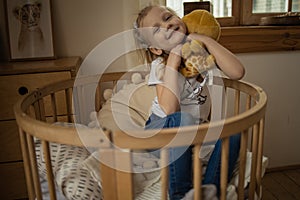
190,91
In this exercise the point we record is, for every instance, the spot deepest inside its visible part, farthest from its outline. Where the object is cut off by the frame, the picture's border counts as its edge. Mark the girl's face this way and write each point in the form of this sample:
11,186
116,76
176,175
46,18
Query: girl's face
164,30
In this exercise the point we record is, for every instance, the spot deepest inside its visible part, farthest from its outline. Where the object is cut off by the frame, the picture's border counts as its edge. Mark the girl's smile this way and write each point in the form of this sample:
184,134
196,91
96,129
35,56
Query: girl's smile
166,30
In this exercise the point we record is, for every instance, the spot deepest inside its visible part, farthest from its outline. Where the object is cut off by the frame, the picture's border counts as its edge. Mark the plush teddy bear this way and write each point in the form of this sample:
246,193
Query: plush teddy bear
195,55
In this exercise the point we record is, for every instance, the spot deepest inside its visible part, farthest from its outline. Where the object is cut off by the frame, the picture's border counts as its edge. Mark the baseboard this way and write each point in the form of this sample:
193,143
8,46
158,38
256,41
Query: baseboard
282,168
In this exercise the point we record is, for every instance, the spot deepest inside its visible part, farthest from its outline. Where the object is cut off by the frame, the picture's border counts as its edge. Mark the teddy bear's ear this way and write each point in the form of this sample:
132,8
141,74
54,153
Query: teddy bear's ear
202,22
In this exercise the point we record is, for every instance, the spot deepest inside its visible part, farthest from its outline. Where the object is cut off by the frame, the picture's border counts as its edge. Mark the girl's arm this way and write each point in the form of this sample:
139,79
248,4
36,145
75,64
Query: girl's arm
168,93
226,60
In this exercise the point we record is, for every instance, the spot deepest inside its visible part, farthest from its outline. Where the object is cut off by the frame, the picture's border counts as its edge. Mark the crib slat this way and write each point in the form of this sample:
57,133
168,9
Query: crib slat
252,186
124,176
68,94
26,161
197,173
37,111
260,155
224,167
115,86
248,106
42,110
164,155
243,155
237,102
50,176
30,111
98,98
108,174
248,102
34,169
242,164
79,112
53,107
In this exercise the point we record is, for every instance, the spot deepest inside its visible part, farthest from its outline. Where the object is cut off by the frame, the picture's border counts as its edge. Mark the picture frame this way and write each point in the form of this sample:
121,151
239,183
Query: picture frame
29,24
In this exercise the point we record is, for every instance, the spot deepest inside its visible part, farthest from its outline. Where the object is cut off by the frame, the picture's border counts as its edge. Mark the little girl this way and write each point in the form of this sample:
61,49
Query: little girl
161,33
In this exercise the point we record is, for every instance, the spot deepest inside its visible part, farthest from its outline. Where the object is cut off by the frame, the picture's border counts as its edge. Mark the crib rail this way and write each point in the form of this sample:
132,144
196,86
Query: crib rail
247,106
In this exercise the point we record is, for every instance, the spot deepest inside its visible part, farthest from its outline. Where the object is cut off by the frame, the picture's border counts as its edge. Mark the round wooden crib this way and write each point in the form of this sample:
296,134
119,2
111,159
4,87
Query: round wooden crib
38,111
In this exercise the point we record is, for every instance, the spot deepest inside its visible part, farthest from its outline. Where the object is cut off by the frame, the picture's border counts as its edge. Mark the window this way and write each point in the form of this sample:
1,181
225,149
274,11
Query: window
243,12
254,10
267,6
239,20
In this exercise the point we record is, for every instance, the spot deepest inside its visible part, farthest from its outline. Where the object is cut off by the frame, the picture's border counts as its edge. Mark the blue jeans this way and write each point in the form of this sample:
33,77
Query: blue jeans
180,158
180,167
213,170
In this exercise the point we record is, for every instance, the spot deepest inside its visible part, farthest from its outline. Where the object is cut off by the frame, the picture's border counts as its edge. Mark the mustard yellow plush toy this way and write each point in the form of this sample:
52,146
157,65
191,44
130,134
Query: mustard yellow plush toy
195,55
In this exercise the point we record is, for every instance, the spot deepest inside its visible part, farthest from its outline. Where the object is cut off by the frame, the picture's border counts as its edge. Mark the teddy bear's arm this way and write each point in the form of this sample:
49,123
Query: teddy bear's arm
196,59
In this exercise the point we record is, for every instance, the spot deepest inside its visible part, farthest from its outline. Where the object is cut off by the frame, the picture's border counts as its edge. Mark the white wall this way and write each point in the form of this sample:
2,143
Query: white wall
278,74
80,25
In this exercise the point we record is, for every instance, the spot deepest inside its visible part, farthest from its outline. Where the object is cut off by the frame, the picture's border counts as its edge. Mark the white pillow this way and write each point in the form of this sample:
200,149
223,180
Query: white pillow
128,109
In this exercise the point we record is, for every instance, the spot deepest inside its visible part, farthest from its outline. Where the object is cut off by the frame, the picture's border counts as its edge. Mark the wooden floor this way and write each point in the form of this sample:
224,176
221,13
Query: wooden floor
282,185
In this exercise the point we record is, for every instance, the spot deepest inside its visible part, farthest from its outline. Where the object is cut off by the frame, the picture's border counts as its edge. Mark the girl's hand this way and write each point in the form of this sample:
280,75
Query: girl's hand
174,59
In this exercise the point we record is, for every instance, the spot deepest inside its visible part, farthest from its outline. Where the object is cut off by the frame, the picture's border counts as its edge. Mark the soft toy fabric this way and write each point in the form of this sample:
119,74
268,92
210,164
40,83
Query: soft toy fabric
202,22
196,57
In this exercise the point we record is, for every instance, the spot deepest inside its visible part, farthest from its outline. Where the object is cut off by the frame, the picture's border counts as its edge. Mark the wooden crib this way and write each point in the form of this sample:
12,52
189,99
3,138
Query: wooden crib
36,113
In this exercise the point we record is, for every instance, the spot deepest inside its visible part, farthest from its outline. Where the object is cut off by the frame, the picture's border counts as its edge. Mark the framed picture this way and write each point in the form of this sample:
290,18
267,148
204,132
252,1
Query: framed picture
29,24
